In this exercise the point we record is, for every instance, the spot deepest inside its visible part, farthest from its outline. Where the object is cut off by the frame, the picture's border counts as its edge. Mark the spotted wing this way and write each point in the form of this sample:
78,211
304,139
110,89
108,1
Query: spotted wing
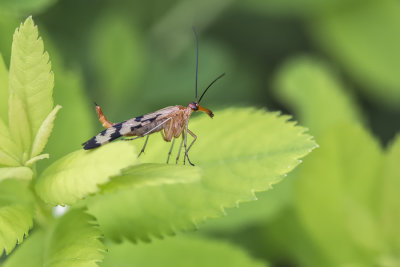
139,126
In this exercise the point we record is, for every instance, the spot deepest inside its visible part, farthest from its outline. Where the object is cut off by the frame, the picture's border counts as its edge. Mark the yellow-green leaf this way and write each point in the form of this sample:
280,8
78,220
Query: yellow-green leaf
16,213
15,173
44,132
3,91
179,251
72,240
31,81
79,173
241,151
19,124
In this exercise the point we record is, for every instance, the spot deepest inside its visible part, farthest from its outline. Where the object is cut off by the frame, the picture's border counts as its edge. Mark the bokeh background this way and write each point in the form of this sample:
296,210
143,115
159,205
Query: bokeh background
309,58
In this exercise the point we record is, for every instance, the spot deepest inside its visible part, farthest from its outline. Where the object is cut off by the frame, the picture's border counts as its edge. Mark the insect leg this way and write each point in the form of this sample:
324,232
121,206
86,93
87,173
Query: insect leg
170,150
186,150
102,118
194,139
144,146
180,148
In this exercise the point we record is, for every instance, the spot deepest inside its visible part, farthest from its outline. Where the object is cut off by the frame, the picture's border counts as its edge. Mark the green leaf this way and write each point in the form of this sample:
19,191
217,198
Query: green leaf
390,206
30,253
9,150
236,162
44,132
179,251
19,125
79,173
368,51
3,90
336,196
30,84
247,214
16,213
73,240
152,174
16,173
75,122
316,94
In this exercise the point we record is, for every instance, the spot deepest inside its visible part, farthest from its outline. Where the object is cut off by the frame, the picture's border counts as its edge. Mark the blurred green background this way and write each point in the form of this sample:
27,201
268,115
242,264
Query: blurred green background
334,65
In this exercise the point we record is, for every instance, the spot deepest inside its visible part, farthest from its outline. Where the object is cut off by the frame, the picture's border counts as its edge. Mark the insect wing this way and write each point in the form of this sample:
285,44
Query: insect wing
138,126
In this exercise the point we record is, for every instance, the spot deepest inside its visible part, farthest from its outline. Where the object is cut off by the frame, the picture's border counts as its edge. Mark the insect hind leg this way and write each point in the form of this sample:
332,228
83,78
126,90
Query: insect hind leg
170,150
180,149
144,146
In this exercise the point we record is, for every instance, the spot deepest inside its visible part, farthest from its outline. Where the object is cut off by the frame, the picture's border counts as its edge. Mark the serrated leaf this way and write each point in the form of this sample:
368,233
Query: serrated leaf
335,195
77,111
318,97
7,145
16,213
369,52
31,82
19,124
16,173
3,90
236,162
44,132
73,240
179,251
265,208
79,173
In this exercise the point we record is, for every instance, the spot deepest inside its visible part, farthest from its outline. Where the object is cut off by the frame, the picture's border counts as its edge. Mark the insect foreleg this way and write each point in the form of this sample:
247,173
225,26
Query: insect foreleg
144,146
170,150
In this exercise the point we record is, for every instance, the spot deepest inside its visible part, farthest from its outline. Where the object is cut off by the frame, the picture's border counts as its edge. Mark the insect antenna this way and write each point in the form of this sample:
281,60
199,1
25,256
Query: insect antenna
220,76
197,60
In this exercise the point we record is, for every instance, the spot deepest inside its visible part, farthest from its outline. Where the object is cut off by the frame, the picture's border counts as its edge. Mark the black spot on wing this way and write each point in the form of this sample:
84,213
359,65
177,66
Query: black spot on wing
135,127
90,144
117,133
153,118
139,118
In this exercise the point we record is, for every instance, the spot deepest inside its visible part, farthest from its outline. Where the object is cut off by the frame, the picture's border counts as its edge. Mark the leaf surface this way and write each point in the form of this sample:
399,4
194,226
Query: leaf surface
317,95
3,91
79,173
73,240
179,251
16,213
235,163
30,84
336,193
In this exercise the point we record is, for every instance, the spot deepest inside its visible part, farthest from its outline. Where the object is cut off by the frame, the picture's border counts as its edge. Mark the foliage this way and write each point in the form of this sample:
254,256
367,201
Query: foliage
103,184
332,64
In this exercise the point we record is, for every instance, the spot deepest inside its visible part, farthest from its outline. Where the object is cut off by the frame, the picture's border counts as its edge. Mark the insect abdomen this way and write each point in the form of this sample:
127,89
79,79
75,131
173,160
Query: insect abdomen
104,137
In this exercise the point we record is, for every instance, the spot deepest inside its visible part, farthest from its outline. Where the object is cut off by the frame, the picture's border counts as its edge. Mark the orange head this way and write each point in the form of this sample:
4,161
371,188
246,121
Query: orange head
196,107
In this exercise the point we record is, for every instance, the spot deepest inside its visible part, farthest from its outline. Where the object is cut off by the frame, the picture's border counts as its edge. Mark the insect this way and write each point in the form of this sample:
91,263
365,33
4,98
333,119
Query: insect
171,121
